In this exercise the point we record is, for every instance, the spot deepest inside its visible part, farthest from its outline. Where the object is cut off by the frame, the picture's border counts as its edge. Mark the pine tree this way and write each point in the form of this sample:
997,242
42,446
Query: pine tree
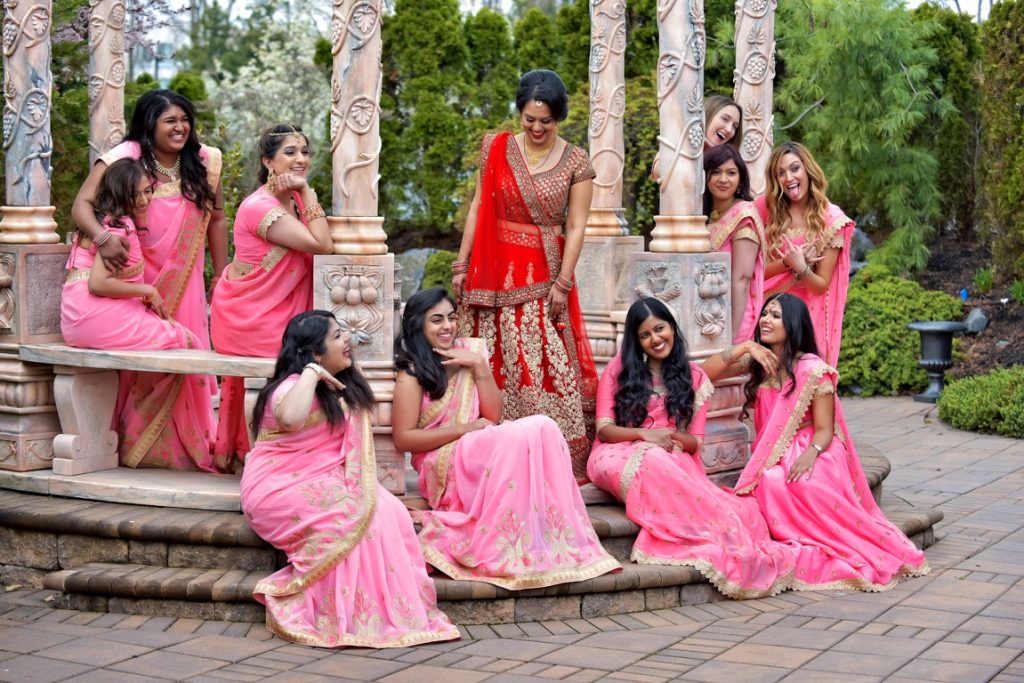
538,45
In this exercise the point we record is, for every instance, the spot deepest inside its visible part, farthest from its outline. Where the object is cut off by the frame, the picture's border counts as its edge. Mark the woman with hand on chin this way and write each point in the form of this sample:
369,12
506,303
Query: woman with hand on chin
513,277
185,213
356,576
736,229
808,242
652,405
277,230
804,472
505,508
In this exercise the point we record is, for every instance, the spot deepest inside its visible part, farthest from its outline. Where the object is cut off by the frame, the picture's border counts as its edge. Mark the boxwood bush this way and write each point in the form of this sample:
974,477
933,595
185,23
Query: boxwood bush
879,354
986,403
438,270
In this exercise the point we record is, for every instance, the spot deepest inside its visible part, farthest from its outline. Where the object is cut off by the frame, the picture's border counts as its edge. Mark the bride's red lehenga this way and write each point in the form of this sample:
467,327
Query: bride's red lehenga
542,367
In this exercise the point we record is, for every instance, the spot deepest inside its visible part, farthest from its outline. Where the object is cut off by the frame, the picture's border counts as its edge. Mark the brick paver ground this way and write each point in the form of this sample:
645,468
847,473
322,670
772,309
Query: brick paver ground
964,622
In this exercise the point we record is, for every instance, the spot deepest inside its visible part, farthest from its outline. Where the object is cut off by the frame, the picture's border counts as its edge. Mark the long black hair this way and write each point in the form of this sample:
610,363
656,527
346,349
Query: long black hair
303,338
115,196
412,350
796,321
194,185
635,381
714,160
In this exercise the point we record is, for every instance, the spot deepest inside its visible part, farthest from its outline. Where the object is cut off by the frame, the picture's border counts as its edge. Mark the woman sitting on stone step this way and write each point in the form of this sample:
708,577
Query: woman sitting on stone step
652,404
309,487
505,505
804,471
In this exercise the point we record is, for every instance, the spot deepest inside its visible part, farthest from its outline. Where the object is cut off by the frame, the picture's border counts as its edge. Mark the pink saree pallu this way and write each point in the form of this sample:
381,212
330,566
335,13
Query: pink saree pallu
168,423
845,540
506,507
828,307
684,518
264,287
741,222
357,576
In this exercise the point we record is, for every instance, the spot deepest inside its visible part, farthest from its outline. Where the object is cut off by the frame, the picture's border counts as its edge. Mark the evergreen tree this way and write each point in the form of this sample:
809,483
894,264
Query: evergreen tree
489,41
537,42
856,86
573,26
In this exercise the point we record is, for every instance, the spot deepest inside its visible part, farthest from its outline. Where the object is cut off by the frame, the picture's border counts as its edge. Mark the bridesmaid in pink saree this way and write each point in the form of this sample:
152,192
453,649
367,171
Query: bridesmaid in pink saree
277,230
804,472
161,429
736,229
356,576
808,241
651,408
505,507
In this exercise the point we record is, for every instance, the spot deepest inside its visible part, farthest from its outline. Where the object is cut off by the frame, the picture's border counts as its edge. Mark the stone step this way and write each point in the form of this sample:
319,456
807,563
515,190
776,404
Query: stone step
226,594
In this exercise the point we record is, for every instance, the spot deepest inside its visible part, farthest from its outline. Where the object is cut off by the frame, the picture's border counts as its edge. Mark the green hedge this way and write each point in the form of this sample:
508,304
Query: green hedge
438,270
986,403
879,354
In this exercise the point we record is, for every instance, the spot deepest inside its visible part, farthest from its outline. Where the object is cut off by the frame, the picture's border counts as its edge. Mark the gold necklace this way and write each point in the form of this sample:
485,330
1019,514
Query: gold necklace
534,159
174,172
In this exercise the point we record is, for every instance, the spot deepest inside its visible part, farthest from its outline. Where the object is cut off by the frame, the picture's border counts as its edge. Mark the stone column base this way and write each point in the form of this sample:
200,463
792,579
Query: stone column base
602,276
358,235
31,280
680,234
28,416
28,225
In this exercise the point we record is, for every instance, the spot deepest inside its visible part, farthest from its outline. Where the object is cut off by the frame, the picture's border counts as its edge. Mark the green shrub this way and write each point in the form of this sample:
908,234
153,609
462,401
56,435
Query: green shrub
438,270
879,354
984,280
1017,291
986,403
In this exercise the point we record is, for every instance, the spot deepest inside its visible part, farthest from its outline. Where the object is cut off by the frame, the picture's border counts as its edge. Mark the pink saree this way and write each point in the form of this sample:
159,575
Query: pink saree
826,308
171,430
742,221
684,518
357,576
264,287
88,321
505,505
846,541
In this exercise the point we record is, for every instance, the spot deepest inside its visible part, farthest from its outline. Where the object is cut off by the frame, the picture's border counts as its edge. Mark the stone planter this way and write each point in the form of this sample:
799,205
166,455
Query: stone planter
936,354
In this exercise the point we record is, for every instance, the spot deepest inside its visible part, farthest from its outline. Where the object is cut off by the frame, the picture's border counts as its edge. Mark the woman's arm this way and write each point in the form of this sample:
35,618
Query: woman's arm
292,233
822,413
466,246
103,283
295,406
405,414
819,280
744,259
114,252
727,364
217,234
613,433
580,195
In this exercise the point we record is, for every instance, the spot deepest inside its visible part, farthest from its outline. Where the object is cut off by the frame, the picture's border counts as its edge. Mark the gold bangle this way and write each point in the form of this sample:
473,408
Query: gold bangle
727,355
482,378
313,212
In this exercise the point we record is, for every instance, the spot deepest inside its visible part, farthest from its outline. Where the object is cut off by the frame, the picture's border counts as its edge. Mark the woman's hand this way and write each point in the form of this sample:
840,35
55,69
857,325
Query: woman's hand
114,253
155,302
463,358
764,357
555,303
289,182
475,425
794,258
659,437
803,465
458,284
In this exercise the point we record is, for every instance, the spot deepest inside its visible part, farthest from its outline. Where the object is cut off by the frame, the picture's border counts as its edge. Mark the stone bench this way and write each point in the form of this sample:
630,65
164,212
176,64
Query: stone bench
85,392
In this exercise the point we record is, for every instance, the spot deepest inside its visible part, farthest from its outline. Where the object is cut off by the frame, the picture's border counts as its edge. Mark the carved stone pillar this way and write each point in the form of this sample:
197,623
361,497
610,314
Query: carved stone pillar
106,76
602,271
681,227
755,71
31,263
357,282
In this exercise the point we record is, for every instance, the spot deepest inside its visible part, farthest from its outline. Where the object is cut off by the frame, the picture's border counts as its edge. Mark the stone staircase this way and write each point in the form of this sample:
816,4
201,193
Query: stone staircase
139,559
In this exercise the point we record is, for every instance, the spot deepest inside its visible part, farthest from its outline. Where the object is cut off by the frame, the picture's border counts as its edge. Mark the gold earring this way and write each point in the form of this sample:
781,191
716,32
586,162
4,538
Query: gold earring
271,181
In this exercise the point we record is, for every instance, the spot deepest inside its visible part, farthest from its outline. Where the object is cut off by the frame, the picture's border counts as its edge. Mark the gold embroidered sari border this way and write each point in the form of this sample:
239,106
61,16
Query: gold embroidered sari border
409,639
716,577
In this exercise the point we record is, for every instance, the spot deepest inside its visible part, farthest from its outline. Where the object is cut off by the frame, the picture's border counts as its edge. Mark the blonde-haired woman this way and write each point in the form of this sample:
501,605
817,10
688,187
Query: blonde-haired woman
808,242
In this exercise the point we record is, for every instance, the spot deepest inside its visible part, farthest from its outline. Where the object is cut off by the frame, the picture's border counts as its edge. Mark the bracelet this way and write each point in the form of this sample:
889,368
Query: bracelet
727,355
817,447
315,367
807,270
563,284
102,238
482,378
313,212
460,266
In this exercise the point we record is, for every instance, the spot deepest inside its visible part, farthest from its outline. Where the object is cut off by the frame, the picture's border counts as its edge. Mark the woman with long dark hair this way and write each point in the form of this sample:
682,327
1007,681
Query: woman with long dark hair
277,230
514,276
652,405
505,508
804,472
736,229
356,575
186,212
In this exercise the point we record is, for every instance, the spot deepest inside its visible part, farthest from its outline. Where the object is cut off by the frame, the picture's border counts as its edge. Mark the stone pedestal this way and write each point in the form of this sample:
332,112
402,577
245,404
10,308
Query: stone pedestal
85,400
695,287
683,234
357,235
31,277
602,276
360,291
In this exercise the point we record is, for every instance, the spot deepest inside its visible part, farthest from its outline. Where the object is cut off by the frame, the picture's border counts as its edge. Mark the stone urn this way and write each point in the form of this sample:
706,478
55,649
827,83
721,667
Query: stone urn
936,354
